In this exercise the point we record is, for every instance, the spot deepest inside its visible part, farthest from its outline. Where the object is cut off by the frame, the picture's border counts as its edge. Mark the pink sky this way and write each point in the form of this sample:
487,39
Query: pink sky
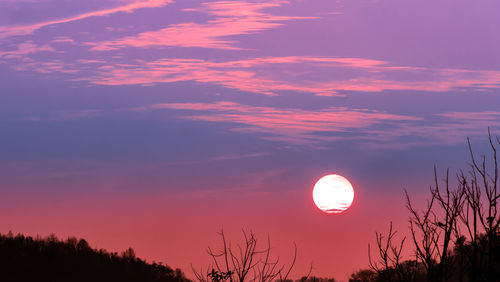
155,123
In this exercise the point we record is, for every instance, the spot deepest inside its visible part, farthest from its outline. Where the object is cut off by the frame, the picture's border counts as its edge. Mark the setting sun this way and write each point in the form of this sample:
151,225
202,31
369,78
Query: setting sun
333,194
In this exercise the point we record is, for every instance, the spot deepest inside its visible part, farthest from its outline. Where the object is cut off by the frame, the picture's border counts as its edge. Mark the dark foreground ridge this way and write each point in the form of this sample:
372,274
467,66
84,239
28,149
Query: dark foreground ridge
50,259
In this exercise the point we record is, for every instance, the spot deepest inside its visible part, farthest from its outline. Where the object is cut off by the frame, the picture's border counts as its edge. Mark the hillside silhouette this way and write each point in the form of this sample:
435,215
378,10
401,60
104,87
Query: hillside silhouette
50,259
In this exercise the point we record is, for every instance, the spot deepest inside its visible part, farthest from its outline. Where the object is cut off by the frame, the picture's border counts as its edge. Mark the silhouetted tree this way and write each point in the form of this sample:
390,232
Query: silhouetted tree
389,262
443,251
245,262
481,189
432,229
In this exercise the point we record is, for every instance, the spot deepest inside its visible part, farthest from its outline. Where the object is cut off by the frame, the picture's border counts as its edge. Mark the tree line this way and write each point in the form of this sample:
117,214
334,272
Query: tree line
28,259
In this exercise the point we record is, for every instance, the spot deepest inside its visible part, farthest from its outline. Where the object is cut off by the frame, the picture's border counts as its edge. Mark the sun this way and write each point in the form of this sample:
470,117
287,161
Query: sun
333,193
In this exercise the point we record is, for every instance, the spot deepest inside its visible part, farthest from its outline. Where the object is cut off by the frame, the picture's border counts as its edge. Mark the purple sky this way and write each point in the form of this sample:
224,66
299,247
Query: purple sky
126,115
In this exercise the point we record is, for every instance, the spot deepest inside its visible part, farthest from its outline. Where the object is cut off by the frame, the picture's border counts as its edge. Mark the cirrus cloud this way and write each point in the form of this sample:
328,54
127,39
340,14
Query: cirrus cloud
370,128
291,125
232,18
271,75
19,30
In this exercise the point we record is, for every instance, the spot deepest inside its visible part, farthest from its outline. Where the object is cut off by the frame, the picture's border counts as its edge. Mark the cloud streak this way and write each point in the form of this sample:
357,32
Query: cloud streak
24,49
272,75
231,18
451,128
293,125
19,30
316,127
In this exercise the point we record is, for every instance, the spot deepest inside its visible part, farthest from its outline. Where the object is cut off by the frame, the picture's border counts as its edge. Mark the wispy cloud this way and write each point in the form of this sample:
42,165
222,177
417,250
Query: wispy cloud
237,75
296,126
9,3
63,39
322,76
24,49
486,116
231,18
271,75
450,128
316,127
47,67
18,30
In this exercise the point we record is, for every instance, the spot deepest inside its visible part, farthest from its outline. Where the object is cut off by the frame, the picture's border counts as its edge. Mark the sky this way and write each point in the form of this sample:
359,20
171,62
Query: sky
154,124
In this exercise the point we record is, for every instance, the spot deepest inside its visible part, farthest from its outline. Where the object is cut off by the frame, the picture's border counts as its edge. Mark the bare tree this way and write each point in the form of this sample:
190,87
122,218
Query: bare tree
481,193
436,226
390,257
245,262
424,234
451,203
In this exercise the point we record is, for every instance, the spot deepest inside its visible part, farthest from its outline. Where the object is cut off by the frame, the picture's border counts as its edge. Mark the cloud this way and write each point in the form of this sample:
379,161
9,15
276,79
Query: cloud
368,128
23,49
451,128
47,67
90,61
19,30
322,76
63,39
291,125
236,75
478,116
271,75
9,3
231,18
317,127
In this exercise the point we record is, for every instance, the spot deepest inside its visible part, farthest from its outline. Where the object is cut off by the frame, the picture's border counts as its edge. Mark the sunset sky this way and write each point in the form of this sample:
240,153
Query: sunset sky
153,124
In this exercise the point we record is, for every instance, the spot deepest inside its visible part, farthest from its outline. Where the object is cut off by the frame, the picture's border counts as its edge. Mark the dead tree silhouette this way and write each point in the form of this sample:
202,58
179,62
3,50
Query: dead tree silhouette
481,207
245,262
389,265
432,230
456,235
